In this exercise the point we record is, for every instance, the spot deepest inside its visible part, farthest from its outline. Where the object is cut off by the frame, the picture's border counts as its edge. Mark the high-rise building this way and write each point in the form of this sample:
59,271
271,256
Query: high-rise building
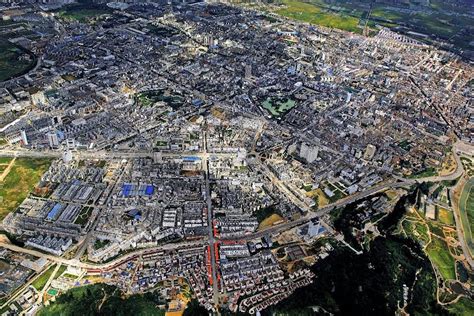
248,71
369,152
24,138
53,139
308,152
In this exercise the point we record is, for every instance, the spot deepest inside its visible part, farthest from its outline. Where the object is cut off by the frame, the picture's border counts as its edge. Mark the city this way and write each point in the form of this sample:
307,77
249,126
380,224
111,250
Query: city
218,157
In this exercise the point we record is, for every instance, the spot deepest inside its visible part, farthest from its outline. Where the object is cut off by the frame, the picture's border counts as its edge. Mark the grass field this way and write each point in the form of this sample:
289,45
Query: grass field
278,108
428,172
466,209
5,160
149,98
13,60
319,196
24,175
315,14
463,307
445,216
41,281
84,215
269,221
438,252
60,271
418,229
82,12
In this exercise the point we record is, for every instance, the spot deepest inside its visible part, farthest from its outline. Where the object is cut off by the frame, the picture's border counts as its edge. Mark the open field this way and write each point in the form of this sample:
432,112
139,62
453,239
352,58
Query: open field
13,60
82,12
60,271
269,221
315,14
5,160
445,216
438,20
318,195
23,176
438,252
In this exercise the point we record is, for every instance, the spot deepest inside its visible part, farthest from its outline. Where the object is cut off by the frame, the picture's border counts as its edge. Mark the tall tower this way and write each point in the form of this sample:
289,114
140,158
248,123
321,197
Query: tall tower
248,71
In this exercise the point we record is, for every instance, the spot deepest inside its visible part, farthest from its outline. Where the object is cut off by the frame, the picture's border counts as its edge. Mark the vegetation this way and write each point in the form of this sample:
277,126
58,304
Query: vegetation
14,60
83,12
269,221
314,13
41,281
463,307
195,309
263,213
5,160
277,107
161,30
445,216
466,210
344,273
396,260
84,215
438,251
101,299
100,243
428,172
60,271
23,176
149,98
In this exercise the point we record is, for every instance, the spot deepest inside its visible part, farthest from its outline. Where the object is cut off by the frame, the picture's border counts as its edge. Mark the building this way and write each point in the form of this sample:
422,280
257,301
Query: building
369,152
53,139
308,152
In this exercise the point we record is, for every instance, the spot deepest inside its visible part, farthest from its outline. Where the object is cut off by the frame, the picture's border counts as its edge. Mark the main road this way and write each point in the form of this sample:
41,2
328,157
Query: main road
107,265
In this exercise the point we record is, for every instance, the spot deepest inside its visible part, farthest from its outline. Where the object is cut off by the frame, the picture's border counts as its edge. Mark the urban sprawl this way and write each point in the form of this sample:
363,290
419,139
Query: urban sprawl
208,143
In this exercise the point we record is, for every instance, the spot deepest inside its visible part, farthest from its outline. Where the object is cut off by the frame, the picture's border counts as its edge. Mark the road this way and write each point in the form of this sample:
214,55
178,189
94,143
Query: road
211,239
324,210
107,265
103,154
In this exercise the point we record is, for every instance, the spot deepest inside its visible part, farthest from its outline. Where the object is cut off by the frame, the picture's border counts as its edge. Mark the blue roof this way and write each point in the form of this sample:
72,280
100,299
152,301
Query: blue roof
197,102
149,190
133,213
191,158
54,211
126,188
